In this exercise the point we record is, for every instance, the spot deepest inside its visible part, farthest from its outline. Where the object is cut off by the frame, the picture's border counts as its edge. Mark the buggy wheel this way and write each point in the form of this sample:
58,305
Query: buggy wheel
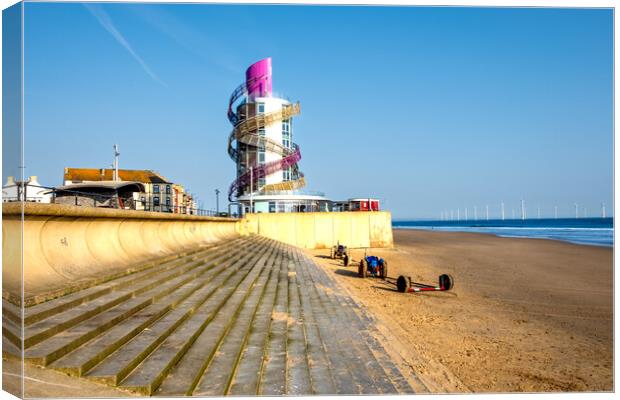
384,270
362,269
446,282
346,260
401,284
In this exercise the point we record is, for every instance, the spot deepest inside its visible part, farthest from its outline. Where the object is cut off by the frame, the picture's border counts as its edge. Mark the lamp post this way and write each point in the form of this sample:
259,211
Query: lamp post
217,201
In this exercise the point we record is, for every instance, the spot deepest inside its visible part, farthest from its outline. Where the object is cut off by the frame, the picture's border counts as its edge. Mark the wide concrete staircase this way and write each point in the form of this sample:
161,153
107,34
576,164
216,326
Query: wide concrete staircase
242,317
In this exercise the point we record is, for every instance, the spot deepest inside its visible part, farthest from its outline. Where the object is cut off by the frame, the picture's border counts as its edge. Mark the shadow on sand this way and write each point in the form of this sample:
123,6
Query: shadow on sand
346,272
424,294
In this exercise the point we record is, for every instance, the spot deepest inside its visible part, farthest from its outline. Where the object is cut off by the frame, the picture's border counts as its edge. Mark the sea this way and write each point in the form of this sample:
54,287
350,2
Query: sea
588,231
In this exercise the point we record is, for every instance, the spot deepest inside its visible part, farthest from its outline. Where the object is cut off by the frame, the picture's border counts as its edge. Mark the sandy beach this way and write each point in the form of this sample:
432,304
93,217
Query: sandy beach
525,315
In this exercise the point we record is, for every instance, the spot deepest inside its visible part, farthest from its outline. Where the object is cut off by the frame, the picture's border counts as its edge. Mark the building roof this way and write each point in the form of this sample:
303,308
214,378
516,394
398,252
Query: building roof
112,185
95,174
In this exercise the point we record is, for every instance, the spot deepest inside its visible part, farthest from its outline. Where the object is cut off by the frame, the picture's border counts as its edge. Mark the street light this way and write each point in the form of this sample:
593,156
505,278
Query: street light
217,201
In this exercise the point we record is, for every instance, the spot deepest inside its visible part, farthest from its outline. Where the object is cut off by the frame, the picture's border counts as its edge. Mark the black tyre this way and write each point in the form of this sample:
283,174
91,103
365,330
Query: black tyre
384,270
446,281
401,284
362,269
346,260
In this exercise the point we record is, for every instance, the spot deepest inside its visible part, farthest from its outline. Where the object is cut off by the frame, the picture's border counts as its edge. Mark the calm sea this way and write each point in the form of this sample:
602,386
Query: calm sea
590,231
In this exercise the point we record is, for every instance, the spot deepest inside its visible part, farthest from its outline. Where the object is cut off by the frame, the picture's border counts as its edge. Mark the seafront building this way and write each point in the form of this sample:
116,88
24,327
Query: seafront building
132,189
30,190
262,147
363,204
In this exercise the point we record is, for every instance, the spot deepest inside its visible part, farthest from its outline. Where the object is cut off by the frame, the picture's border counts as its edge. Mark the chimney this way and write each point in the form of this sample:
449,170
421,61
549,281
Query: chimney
34,180
10,181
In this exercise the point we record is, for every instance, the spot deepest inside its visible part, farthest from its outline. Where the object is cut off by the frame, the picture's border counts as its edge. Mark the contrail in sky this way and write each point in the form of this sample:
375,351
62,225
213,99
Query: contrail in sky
105,21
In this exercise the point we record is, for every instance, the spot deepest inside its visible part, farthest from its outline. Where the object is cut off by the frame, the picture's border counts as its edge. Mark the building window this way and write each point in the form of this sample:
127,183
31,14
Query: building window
168,201
167,189
286,174
272,206
155,188
260,107
261,131
156,201
286,133
261,153
261,183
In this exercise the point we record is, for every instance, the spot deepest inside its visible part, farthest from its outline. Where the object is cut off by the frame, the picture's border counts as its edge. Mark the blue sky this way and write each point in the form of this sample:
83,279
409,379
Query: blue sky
427,109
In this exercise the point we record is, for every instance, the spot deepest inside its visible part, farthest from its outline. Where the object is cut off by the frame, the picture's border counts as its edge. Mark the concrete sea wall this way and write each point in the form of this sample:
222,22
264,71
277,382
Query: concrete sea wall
324,229
64,246
67,247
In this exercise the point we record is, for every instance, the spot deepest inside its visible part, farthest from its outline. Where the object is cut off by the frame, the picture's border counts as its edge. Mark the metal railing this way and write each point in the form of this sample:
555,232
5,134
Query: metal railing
92,199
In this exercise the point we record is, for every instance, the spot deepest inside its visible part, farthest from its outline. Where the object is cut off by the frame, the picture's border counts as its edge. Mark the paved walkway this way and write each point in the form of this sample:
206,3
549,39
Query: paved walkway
244,317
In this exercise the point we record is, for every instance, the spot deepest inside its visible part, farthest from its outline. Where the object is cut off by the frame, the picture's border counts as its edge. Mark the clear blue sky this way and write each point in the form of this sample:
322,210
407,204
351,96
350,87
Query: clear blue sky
425,108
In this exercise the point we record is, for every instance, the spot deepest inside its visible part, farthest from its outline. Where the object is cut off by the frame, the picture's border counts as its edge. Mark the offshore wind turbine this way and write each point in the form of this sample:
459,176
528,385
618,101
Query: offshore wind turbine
538,212
556,212
465,213
503,214
522,209
576,211
475,213
487,212
602,210
458,214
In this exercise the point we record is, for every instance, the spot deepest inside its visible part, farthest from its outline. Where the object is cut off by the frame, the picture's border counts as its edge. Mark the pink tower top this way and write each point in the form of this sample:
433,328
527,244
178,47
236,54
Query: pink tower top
258,78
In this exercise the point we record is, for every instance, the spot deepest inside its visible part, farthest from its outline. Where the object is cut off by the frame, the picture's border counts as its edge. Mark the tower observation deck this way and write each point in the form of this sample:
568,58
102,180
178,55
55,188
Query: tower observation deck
261,145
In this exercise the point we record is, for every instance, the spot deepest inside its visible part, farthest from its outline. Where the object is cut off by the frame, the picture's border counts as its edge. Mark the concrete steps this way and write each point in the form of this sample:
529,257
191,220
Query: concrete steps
250,316
147,335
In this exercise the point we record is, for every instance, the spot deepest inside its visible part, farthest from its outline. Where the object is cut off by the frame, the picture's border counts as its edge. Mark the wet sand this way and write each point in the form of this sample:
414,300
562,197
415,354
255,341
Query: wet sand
525,315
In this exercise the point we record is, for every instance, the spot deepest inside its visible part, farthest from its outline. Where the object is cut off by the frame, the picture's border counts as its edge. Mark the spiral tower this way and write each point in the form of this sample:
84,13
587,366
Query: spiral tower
261,145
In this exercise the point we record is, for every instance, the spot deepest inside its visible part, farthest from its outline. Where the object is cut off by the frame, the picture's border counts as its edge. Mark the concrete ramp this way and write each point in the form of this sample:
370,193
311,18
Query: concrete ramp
245,316
66,248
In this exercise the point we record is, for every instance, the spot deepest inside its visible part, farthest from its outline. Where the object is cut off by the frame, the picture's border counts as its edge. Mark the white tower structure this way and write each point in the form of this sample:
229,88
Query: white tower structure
261,144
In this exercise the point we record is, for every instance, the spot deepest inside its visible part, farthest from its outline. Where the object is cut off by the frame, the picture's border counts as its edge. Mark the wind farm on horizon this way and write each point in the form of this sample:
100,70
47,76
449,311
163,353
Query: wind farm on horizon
462,214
